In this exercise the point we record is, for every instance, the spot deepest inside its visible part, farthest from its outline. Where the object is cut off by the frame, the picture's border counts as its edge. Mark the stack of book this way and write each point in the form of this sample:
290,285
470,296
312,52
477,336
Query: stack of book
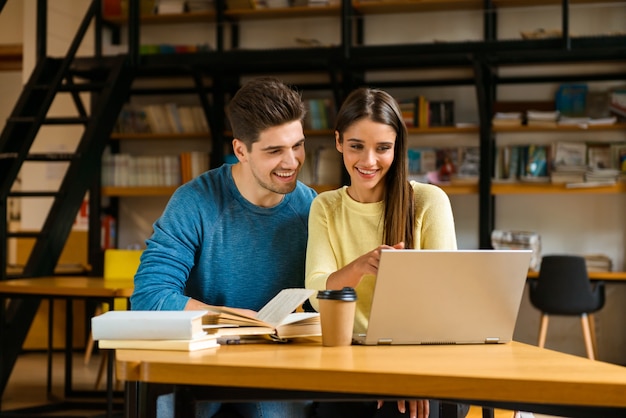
203,329
542,118
153,330
598,262
170,7
602,176
200,5
506,119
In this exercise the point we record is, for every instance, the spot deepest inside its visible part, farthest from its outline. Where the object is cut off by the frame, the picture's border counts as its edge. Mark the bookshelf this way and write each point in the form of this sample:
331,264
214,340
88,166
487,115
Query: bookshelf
358,47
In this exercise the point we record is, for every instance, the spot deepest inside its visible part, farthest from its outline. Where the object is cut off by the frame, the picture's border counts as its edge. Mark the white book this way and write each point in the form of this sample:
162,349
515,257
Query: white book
200,343
148,325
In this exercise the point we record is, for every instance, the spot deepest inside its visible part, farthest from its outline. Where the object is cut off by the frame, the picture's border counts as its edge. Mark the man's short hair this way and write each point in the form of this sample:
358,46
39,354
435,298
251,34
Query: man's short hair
261,104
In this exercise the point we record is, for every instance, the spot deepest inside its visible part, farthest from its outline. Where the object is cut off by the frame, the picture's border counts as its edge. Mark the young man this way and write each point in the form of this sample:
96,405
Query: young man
236,235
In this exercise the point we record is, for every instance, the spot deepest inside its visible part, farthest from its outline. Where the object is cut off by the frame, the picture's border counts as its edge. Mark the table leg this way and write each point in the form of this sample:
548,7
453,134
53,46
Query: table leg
131,399
487,412
69,342
50,347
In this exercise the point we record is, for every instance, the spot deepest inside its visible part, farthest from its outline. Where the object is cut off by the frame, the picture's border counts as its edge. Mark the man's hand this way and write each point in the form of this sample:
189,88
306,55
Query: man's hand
417,409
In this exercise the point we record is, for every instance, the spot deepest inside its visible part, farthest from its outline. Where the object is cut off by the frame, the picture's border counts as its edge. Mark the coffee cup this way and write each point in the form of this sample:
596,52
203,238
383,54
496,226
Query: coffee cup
337,309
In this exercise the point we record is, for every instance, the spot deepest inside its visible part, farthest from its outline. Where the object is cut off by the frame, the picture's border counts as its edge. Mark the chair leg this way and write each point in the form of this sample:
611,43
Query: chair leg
90,342
103,362
592,328
543,329
584,320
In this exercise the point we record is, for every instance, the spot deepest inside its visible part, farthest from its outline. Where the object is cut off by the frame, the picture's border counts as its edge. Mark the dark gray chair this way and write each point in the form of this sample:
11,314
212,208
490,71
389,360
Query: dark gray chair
563,288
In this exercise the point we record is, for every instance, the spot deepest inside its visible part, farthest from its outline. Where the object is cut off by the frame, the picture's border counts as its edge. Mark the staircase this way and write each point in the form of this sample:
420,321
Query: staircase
106,82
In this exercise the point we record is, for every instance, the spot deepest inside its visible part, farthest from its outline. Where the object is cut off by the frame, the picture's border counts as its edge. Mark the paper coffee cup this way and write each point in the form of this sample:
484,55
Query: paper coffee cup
337,309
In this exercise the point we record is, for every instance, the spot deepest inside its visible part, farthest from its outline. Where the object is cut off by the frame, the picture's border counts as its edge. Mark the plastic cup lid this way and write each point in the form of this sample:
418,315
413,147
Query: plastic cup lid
345,294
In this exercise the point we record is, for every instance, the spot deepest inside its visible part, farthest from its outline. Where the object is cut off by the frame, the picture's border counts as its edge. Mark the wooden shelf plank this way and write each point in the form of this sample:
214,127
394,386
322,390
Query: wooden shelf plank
560,128
403,6
151,136
549,188
594,275
11,57
116,191
189,17
283,12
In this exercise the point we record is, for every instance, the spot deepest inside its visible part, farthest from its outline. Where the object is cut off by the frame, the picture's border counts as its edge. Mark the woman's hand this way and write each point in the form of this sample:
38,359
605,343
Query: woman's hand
351,274
417,409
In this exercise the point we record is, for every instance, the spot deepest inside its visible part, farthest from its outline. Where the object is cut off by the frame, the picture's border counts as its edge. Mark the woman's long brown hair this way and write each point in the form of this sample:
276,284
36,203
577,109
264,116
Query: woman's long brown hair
399,203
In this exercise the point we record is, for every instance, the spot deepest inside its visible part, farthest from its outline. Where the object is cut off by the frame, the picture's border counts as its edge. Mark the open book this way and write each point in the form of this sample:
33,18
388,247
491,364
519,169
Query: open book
276,319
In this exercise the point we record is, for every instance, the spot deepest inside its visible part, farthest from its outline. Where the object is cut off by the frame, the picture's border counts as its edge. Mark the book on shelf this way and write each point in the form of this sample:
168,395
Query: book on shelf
609,175
542,118
276,319
562,177
537,160
150,325
599,156
507,119
165,118
571,99
125,170
570,154
192,164
320,114
200,5
170,6
441,113
422,112
598,262
619,156
200,343
617,103
422,160
590,184
407,108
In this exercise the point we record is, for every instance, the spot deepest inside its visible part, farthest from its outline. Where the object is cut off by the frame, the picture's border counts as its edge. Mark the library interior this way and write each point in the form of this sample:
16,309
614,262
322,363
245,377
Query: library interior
516,109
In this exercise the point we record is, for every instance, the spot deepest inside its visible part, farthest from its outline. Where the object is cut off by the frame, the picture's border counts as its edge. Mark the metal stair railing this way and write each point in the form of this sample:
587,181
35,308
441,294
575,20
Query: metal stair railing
50,77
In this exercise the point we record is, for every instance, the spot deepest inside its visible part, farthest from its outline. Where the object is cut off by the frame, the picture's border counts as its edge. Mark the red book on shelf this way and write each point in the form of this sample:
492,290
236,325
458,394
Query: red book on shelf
111,8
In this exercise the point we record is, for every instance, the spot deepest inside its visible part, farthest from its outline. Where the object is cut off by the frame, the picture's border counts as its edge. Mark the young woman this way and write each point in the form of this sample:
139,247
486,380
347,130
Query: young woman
380,208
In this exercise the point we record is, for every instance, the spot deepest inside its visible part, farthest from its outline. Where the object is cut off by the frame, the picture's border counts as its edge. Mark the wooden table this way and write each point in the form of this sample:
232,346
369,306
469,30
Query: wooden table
510,376
68,288
608,276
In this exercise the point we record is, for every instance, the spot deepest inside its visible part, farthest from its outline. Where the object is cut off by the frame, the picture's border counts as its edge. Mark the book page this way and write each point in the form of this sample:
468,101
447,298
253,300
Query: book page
284,303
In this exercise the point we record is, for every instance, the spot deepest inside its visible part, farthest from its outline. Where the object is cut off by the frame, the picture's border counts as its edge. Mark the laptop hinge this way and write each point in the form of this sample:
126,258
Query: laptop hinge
492,340
385,341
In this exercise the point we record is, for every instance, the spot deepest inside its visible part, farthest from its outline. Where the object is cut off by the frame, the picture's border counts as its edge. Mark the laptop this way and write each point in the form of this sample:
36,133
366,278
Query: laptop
446,297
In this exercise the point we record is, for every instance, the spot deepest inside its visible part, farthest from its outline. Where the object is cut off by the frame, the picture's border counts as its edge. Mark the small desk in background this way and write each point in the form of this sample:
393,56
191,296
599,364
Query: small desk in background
66,288
608,276
512,376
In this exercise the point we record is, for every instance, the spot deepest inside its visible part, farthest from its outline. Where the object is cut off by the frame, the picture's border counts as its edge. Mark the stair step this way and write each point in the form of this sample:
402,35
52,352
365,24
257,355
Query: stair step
48,156
73,87
73,120
46,193
24,234
52,156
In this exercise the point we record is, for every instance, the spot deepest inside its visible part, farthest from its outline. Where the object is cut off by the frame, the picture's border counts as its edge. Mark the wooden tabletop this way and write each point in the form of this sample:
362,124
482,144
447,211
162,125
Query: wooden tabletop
67,286
594,275
512,372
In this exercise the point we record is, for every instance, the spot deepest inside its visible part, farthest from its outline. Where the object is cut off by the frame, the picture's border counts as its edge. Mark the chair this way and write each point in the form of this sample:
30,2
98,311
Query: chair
119,266
563,288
